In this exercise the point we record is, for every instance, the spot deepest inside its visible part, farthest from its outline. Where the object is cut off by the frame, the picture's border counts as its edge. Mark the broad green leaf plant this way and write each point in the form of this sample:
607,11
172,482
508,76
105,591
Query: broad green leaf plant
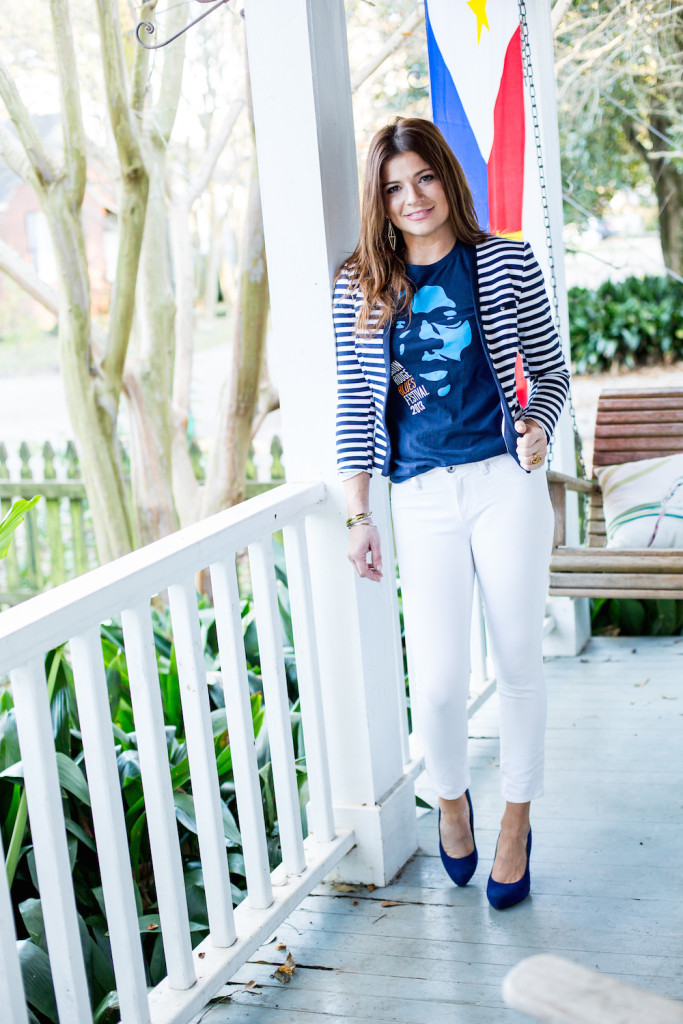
16,835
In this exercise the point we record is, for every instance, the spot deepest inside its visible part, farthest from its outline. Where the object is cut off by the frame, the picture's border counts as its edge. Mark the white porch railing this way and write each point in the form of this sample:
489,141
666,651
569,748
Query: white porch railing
73,613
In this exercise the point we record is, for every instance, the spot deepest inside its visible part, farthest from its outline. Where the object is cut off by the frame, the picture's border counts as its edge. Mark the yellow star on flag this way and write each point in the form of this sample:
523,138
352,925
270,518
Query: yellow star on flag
479,8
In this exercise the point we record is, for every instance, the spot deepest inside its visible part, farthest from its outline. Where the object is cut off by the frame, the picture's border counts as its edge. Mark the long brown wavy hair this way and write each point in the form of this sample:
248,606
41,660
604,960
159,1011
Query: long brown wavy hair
374,267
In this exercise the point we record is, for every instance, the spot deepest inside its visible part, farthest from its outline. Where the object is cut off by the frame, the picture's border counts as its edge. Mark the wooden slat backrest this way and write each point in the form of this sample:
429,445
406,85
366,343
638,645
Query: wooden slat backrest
641,423
638,424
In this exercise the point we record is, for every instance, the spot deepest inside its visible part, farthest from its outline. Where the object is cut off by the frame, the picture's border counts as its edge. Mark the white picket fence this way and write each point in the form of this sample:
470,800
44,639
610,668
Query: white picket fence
73,613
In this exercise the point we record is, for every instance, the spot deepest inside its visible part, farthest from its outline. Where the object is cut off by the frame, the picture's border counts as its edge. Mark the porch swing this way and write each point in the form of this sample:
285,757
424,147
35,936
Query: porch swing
631,425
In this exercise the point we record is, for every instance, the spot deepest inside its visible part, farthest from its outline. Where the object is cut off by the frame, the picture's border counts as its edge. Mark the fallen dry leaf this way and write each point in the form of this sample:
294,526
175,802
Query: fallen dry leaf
390,903
201,955
252,984
152,927
642,682
371,887
343,887
355,903
281,945
285,970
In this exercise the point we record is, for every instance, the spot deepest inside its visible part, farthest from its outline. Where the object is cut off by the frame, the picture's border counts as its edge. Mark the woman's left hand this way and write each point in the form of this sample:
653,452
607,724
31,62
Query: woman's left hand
531,444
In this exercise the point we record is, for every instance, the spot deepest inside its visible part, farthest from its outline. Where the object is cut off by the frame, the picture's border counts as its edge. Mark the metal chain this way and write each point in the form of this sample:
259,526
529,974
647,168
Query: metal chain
529,79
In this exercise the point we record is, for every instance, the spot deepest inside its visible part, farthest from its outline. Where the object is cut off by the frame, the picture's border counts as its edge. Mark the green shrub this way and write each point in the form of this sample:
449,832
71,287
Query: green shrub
628,323
626,616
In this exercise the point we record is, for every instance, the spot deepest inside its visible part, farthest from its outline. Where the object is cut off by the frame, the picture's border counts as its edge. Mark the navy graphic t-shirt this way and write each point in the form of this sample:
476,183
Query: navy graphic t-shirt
443,406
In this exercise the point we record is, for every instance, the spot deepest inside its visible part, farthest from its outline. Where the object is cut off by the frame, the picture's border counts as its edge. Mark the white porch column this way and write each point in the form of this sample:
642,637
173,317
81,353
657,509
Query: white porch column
309,187
571,615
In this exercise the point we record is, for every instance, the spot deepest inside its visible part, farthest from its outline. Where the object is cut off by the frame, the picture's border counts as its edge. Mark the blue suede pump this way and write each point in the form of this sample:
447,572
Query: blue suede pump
460,869
502,895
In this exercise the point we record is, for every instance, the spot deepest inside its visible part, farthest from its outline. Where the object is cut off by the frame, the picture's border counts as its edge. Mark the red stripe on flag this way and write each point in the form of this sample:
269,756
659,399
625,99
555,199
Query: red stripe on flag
506,162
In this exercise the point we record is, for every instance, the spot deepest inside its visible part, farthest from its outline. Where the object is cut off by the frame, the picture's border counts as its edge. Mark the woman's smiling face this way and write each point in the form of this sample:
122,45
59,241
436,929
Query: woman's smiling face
414,198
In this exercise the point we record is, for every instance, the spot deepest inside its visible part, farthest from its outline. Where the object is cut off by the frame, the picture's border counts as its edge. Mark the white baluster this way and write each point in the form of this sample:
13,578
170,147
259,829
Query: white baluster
44,798
308,674
156,782
194,695
269,631
241,730
11,986
110,826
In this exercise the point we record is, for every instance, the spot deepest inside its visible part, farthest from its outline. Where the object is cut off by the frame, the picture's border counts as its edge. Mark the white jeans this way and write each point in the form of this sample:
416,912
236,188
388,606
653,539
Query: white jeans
493,519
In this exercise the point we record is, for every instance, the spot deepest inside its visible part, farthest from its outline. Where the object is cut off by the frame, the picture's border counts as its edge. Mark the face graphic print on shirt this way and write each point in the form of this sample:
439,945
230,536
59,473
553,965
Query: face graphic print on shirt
437,324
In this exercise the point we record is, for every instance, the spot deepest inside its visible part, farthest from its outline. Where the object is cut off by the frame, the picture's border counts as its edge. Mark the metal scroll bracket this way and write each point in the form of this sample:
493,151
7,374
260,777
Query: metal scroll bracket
149,27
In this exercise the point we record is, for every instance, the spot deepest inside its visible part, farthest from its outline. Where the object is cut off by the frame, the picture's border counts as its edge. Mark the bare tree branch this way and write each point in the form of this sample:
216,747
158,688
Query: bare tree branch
392,44
16,159
560,8
200,180
25,276
44,173
134,192
140,74
166,108
125,130
72,121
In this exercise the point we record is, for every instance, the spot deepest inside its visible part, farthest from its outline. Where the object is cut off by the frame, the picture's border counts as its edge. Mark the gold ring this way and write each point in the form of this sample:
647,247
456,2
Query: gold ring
537,460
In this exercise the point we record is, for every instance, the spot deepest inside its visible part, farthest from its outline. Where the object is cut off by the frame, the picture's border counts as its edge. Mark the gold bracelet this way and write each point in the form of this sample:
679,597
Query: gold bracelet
352,520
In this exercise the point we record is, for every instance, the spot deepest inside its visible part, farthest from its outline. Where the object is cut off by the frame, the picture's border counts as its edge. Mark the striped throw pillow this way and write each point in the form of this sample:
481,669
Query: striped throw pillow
643,503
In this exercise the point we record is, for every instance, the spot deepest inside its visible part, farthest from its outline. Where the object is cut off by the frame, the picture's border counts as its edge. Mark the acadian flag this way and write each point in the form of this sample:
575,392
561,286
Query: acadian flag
478,102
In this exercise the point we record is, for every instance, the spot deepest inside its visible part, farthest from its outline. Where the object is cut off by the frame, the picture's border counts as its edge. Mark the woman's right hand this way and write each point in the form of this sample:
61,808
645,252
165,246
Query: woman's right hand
363,540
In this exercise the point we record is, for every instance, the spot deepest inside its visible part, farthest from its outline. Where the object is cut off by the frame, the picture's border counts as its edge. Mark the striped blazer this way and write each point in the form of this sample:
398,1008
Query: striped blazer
513,314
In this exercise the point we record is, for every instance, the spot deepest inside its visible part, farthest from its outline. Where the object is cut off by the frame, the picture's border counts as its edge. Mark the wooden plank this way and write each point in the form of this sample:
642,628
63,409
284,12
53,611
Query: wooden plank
645,392
559,503
77,512
564,588
615,560
635,416
214,964
48,488
636,431
630,401
645,444
613,457
572,483
625,580
558,991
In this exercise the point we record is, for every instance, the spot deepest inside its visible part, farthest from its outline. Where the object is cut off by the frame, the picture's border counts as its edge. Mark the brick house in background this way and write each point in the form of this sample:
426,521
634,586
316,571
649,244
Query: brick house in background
23,226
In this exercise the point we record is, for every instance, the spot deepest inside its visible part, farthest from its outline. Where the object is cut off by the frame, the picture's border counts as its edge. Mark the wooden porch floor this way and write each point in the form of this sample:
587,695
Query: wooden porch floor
607,885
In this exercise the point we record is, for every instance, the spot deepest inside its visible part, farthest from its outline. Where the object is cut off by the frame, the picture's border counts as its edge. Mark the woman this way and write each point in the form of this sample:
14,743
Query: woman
429,314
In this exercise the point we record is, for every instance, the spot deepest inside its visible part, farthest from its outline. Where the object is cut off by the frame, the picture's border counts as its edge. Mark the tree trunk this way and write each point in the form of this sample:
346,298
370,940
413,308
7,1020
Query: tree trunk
668,181
149,374
186,488
93,415
226,479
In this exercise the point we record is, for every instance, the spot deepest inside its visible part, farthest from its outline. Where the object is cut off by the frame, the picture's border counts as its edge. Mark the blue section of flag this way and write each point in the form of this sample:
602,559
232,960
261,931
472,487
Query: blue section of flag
449,115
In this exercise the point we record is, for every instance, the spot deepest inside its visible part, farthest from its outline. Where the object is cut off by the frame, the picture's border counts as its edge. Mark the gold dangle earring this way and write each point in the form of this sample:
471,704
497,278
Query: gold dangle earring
391,235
